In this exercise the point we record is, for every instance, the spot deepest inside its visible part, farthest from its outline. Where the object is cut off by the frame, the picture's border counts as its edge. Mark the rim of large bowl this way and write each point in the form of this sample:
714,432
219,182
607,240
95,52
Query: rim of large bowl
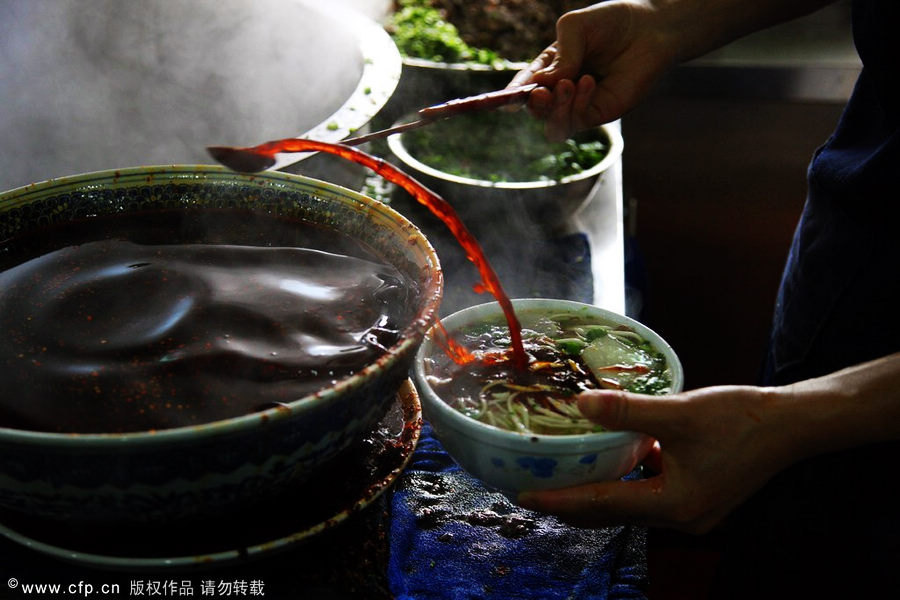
514,439
616,147
381,72
413,333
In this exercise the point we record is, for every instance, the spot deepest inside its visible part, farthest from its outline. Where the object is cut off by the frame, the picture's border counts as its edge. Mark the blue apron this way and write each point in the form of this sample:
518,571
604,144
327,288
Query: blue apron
829,527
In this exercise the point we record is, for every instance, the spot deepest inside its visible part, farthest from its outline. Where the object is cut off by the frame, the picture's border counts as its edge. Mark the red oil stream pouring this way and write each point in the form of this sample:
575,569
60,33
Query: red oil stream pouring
258,158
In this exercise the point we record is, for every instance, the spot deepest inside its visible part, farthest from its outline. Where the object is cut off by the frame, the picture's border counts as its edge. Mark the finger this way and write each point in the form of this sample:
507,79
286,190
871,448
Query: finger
584,90
584,93
568,53
653,459
639,501
559,121
618,410
540,102
541,62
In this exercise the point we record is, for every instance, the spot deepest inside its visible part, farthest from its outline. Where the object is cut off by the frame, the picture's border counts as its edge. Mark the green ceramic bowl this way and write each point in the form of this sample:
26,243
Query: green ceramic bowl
172,474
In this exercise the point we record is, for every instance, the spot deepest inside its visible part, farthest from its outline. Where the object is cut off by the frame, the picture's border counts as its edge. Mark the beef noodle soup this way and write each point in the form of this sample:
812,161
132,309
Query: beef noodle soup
568,354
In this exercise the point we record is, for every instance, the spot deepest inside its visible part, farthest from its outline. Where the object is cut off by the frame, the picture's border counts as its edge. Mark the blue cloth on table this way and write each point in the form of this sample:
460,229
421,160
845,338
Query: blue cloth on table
451,537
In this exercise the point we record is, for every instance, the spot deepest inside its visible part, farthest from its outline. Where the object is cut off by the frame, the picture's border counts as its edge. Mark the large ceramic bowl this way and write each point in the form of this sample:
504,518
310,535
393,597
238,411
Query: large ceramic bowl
172,474
513,462
549,202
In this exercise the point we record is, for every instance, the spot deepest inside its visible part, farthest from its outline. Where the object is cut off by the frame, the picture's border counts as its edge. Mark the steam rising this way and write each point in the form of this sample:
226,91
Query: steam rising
104,84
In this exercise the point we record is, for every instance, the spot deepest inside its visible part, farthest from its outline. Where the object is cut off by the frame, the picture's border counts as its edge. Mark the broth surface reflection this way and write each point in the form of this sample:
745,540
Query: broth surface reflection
159,320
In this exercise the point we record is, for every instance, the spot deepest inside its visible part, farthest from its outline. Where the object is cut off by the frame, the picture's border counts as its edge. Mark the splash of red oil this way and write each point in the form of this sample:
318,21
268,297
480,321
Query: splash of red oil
456,351
441,209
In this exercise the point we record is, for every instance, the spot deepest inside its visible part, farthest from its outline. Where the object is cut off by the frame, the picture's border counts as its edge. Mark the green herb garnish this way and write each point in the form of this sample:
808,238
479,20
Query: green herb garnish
502,146
420,31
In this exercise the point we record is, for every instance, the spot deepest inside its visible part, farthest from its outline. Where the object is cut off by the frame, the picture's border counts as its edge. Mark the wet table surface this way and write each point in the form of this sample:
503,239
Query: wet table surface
437,533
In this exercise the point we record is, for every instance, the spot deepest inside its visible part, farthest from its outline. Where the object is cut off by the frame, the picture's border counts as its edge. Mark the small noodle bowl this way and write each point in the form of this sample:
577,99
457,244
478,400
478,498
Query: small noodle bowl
513,462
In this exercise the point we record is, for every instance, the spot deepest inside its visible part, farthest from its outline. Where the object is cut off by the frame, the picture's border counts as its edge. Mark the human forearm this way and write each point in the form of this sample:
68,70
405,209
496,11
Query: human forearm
700,26
609,55
851,407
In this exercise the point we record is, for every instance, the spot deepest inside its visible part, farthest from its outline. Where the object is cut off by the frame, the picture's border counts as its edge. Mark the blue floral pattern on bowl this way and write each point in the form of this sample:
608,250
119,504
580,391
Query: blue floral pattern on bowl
539,467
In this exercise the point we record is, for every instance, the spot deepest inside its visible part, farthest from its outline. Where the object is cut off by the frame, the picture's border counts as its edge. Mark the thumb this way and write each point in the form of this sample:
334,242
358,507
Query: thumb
568,55
618,410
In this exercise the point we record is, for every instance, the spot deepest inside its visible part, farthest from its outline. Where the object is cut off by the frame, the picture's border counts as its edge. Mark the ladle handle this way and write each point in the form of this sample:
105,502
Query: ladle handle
486,101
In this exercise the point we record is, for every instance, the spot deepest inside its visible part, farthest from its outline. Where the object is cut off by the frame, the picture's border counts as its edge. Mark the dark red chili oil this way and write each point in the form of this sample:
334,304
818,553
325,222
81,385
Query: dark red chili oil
550,373
262,156
154,320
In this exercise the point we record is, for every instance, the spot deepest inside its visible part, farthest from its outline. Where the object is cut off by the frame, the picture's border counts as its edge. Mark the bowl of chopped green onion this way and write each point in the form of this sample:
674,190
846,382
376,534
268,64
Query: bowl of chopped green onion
520,429
439,60
454,47
492,164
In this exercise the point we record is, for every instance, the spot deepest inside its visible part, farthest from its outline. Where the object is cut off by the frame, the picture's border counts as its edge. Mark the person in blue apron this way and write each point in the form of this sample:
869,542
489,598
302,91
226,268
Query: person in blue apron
796,475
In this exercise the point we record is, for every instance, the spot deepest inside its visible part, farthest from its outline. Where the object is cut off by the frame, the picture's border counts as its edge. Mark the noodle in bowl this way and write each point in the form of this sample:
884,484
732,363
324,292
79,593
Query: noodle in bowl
513,461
